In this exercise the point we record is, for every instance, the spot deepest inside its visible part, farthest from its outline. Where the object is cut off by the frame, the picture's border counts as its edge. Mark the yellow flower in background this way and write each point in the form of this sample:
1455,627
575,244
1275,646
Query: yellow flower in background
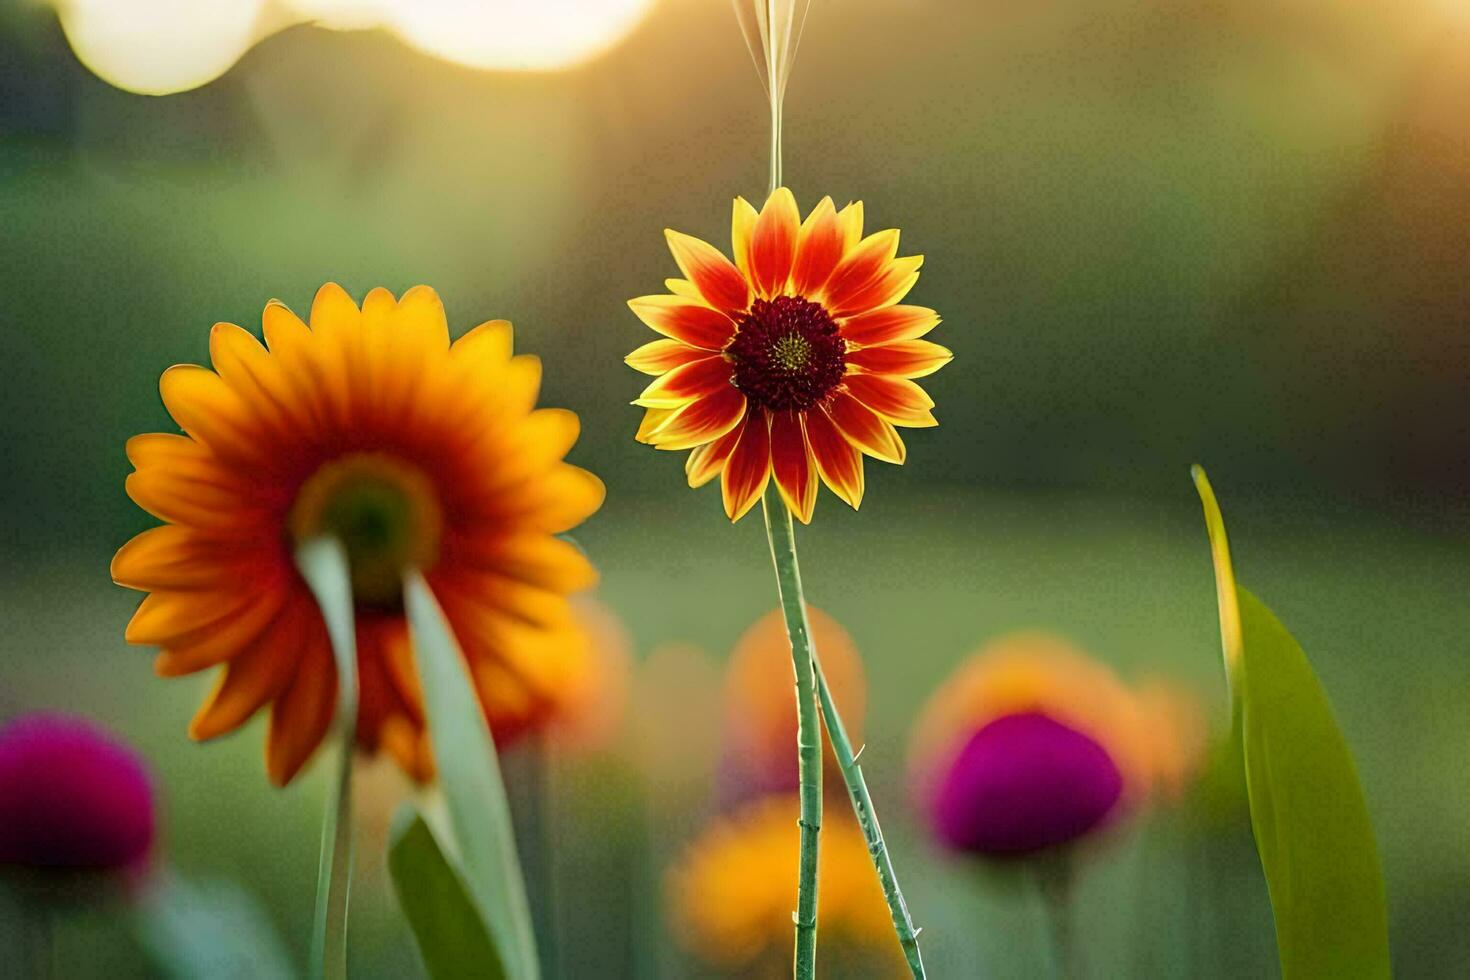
792,361
368,425
731,894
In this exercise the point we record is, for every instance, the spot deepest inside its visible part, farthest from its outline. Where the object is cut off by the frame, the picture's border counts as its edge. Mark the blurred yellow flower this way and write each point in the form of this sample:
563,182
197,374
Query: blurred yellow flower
370,426
730,896
791,361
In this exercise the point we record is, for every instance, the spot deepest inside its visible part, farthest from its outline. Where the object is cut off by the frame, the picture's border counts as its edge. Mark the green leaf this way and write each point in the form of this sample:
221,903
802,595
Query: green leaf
1307,810
206,928
469,775
451,936
1308,815
323,564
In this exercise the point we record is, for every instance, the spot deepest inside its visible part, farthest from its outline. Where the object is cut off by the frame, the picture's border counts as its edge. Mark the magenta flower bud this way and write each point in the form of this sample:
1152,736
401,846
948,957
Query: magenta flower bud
1023,783
72,797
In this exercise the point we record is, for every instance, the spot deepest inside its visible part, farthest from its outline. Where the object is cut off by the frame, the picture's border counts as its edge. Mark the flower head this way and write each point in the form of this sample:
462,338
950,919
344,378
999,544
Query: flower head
1030,744
370,426
760,712
72,797
732,893
793,360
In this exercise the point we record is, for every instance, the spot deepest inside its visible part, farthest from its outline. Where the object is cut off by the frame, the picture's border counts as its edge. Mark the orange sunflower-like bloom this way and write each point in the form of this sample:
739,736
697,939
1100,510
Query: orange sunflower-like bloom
794,360
368,425
731,893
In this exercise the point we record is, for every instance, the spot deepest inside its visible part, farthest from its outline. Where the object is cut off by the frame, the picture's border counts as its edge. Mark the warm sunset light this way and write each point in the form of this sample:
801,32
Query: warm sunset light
156,47
515,34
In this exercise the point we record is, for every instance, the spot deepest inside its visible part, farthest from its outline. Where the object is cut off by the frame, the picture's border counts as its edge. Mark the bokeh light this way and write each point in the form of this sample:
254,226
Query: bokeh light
155,47
158,47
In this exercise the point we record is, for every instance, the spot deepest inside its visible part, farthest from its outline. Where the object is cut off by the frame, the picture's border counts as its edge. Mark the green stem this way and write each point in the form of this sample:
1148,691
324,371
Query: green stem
782,537
862,806
324,566
1055,878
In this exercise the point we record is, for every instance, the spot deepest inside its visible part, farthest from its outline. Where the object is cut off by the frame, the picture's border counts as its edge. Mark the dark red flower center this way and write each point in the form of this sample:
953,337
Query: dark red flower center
787,353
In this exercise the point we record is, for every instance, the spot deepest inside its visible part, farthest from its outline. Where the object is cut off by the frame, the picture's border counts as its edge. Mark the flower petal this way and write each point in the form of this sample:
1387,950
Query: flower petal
716,277
333,313
748,469
653,419
684,384
838,461
300,716
701,421
224,640
705,462
694,323
421,311
860,267
684,288
742,224
659,356
211,412
886,325
818,249
896,399
171,557
247,683
850,219
791,463
891,285
165,617
773,243
903,359
862,427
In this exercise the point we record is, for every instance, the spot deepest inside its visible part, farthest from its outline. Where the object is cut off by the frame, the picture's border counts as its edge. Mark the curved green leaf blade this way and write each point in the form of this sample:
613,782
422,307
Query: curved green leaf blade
323,564
474,792
452,939
1307,810
208,927
1308,815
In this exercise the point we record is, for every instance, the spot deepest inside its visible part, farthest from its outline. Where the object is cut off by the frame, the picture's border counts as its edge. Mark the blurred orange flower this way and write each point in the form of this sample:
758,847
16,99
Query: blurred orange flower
760,703
593,704
730,896
371,426
792,360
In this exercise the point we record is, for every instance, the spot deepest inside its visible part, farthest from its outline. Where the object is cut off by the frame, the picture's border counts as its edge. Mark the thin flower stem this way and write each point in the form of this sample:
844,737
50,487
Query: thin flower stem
782,537
1055,879
862,806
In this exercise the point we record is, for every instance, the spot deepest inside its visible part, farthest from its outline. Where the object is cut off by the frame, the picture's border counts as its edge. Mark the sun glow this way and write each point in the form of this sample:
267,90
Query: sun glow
157,47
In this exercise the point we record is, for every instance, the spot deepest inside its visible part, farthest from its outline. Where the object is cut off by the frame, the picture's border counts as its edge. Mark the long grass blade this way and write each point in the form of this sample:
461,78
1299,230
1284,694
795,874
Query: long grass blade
323,564
452,938
470,777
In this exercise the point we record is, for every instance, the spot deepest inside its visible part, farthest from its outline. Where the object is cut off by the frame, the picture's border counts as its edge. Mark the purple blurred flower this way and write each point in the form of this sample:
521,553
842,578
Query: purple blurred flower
72,797
1022,783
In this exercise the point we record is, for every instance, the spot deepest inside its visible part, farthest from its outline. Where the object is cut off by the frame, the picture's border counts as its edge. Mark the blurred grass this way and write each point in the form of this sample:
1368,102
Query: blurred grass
920,579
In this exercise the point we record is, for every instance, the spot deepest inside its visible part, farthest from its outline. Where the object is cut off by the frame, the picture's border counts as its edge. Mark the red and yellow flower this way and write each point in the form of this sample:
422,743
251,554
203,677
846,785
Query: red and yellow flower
794,360
370,426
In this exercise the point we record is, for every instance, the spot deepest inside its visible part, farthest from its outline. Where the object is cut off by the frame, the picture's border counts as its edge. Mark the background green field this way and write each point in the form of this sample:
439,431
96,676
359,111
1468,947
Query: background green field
1232,232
